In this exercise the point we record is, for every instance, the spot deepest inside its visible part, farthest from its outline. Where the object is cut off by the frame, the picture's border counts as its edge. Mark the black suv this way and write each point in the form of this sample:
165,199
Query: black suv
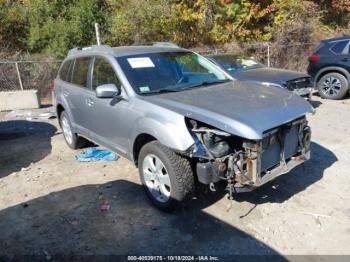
329,67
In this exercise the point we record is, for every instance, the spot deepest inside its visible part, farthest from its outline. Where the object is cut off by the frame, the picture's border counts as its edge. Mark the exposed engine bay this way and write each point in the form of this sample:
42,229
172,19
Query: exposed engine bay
247,164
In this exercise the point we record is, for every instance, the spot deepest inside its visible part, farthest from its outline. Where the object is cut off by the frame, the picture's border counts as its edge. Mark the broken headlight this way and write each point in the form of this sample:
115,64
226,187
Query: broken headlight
214,142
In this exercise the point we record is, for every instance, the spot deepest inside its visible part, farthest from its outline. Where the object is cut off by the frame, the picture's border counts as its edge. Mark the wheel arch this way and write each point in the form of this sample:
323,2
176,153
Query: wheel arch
59,109
332,69
170,132
61,106
140,141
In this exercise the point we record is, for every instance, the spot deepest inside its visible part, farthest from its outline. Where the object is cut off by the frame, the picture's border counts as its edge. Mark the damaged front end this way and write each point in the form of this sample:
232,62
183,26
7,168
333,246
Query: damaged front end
247,164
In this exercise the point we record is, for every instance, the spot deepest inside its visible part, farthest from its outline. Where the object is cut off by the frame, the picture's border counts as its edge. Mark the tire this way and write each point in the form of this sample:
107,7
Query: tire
71,138
172,168
333,86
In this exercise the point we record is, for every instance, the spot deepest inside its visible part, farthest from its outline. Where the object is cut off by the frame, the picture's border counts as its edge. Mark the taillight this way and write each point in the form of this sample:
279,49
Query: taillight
314,58
52,85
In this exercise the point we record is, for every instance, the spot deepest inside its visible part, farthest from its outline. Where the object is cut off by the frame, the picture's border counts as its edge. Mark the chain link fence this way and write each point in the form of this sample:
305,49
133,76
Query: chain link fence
286,56
24,75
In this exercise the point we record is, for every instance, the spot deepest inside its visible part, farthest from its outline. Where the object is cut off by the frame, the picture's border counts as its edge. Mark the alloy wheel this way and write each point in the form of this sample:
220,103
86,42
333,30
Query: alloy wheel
156,178
67,131
331,86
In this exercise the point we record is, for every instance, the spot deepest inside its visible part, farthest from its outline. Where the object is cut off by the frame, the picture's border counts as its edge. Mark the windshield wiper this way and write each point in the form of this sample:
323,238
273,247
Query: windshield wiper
205,83
169,90
163,90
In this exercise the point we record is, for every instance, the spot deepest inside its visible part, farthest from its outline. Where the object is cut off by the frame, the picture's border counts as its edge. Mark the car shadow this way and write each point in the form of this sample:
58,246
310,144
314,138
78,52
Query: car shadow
294,182
315,104
70,223
16,143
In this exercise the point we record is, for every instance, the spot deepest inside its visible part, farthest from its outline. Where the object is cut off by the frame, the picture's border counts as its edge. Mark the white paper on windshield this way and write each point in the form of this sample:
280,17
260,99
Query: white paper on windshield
248,62
144,89
140,62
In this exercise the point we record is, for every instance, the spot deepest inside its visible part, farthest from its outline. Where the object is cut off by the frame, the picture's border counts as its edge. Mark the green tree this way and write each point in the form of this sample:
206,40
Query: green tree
137,21
58,25
13,25
220,21
54,26
335,12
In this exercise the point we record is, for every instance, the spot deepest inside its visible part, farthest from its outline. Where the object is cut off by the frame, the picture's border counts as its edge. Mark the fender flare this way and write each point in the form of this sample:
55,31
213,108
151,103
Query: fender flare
64,104
174,135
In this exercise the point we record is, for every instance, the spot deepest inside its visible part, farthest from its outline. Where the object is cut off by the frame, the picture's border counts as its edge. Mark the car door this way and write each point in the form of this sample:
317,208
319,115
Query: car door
77,92
108,121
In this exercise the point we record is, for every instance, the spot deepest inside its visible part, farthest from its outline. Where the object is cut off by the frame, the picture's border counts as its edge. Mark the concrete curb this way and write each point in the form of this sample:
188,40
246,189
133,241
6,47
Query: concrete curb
23,99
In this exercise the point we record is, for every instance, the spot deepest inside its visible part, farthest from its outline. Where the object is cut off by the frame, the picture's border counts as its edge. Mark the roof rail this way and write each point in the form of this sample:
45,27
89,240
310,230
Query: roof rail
335,39
93,48
165,44
157,44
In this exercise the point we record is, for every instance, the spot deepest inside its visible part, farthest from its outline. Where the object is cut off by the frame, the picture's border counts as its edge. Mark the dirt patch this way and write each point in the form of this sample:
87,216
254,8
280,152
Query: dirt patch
50,204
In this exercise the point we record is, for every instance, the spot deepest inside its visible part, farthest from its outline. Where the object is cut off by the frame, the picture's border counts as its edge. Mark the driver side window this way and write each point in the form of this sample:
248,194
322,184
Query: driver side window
103,73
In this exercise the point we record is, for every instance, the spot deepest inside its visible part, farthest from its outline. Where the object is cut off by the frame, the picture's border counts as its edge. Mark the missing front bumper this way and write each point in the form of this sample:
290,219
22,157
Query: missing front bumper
282,169
274,173
256,162
280,151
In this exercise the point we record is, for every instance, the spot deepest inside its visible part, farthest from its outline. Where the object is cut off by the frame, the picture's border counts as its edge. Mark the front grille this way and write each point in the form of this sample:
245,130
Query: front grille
299,83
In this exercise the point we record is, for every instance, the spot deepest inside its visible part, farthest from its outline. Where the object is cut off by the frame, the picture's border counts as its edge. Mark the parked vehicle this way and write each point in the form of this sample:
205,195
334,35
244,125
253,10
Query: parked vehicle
329,67
179,118
246,68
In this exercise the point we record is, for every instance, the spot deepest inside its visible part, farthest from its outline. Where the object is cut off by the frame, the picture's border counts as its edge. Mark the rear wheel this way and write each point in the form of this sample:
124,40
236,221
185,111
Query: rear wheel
166,176
333,86
71,138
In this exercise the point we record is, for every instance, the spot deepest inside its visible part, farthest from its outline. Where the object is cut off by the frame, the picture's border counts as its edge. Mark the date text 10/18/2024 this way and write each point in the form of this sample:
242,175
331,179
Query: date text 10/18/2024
173,258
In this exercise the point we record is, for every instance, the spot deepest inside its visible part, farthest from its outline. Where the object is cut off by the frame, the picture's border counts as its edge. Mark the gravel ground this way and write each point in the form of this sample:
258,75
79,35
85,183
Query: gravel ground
50,203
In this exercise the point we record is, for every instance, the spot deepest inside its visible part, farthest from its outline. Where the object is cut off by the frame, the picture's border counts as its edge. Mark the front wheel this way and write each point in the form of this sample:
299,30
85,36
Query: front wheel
166,176
333,86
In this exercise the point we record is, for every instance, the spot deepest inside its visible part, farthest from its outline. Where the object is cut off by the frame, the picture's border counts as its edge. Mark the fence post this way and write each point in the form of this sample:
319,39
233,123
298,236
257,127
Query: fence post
268,54
19,76
97,32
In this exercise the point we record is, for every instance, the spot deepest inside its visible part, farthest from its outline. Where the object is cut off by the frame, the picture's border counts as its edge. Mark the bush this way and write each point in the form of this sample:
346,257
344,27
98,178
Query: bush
54,26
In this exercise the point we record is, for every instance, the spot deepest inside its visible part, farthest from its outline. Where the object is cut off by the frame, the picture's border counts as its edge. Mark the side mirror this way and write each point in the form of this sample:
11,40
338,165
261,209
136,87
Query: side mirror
107,91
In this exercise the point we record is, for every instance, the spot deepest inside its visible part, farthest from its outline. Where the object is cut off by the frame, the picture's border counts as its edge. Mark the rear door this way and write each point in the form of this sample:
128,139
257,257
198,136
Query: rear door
77,92
61,80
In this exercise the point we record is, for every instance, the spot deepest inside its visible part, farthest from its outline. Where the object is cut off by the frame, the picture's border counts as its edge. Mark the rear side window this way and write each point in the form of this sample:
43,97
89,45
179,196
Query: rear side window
339,47
81,68
103,74
63,74
347,48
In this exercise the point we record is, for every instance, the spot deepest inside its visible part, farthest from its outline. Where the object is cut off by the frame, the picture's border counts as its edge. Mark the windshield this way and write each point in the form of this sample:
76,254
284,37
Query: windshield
233,63
169,71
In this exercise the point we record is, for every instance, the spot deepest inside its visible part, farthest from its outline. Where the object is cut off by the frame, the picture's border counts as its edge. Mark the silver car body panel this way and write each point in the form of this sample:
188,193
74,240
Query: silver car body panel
242,109
245,109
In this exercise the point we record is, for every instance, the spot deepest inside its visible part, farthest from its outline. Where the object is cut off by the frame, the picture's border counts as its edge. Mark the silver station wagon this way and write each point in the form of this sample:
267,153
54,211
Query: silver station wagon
180,119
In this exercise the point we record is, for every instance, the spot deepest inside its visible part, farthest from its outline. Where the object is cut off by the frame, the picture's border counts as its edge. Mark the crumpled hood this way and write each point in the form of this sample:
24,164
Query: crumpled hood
245,109
270,75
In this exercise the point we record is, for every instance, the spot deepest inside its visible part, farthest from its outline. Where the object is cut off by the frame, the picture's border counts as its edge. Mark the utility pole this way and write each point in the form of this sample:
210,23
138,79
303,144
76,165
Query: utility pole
268,55
97,31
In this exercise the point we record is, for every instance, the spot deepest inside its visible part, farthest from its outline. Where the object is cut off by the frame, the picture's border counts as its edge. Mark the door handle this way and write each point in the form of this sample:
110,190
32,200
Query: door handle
65,93
346,59
90,102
